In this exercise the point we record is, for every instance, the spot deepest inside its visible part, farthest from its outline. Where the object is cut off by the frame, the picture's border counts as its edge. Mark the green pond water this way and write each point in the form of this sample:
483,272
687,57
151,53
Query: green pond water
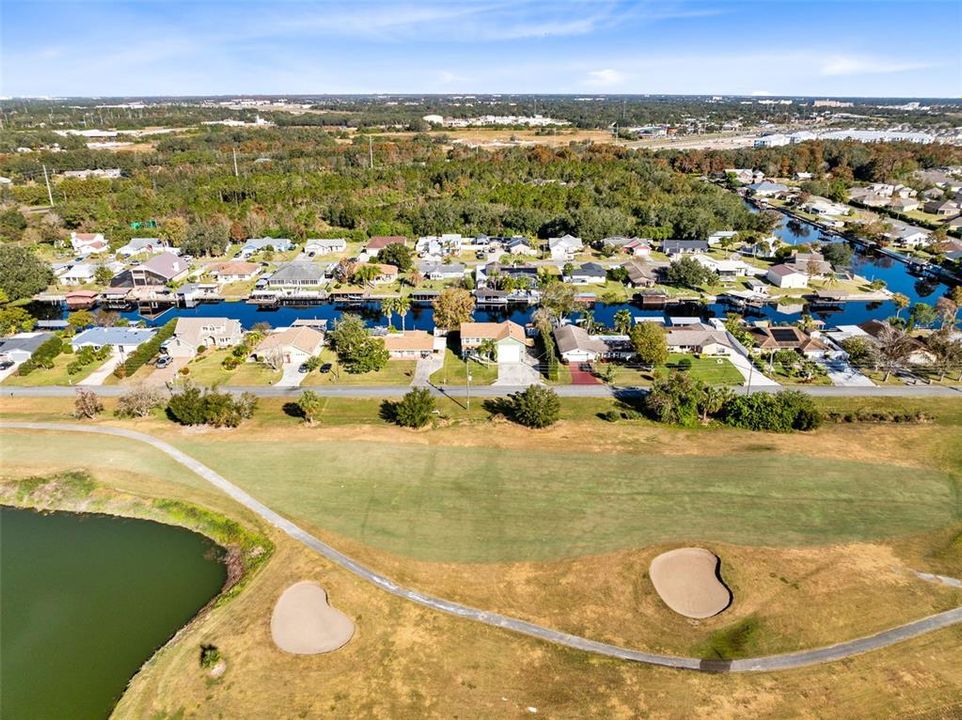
85,600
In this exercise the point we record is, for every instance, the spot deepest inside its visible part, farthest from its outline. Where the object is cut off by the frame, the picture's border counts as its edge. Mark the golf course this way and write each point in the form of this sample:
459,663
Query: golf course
557,527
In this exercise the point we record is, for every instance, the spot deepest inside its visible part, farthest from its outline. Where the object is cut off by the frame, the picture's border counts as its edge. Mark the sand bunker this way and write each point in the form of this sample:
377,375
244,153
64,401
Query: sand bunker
304,624
687,580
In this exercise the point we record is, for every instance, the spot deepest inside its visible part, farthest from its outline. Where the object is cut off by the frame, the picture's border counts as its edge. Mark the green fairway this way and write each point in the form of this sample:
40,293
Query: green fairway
486,505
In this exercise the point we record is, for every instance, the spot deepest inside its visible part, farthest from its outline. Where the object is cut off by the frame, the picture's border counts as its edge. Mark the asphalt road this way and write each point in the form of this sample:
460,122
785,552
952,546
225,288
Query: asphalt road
761,664
459,391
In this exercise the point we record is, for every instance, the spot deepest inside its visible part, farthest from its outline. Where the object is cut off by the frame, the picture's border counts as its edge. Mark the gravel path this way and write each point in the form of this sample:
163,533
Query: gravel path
768,663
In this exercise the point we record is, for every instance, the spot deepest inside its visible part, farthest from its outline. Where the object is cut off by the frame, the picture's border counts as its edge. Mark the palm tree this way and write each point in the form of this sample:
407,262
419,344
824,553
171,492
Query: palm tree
712,400
901,302
487,349
388,306
402,305
622,321
588,321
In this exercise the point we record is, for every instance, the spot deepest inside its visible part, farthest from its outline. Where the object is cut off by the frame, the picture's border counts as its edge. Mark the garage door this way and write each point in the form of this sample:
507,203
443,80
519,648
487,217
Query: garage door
509,352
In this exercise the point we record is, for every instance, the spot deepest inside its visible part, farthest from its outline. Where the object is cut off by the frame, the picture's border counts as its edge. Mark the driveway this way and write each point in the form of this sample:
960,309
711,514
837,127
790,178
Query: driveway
517,374
582,377
162,376
290,377
98,376
750,373
425,368
4,374
842,374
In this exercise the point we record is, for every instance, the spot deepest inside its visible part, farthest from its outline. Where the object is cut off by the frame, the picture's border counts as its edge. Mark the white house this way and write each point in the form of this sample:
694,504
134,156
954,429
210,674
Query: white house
255,245
233,271
442,271
143,245
191,333
786,276
726,269
699,339
508,338
324,246
716,238
575,344
565,247
411,345
589,273
123,339
84,244
77,274
293,345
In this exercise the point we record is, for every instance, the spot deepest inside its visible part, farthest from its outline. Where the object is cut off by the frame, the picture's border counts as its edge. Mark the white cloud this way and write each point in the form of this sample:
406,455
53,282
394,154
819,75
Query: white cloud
606,78
839,65
760,93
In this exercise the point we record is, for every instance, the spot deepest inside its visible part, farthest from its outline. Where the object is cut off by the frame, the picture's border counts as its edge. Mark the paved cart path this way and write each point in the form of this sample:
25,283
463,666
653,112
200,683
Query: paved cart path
768,663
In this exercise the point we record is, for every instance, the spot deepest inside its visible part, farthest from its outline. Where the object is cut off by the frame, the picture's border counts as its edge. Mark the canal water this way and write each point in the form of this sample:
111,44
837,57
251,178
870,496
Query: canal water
865,263
85,600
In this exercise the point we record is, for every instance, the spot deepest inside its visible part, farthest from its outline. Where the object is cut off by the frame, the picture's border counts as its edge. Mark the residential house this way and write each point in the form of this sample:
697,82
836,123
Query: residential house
764,248
742,176
641,274
575,344
789,337
157,270
387,274
674,248
919,353
638,247
507,336
84,244
519,246
908,235
942,208
379,242
143,245
526,275
589,273
564,248
293,345
802,176
718,237
297,274
767,189
787,276
951,249
409,345
256,245
906,204
233,271
442,271
324,246
699,339
726,270
191,333
447,244
773,140
813,264
77,274
121,339
18,348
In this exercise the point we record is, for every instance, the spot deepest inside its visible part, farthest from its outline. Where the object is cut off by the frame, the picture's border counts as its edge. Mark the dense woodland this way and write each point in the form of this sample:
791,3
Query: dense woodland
302,182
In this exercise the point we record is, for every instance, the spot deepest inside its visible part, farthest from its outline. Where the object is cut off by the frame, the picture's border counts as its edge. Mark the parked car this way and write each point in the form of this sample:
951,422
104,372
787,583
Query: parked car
6,364
326,368
303,368
163,361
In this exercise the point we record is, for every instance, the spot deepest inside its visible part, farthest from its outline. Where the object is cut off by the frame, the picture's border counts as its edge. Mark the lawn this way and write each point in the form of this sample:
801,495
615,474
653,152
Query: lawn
208,370
711,370
57,375
396,372
455,370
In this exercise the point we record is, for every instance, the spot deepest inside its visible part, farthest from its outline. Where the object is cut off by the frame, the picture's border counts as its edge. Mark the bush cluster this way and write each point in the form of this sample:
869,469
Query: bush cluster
868,416
143,354
43,356
776,412
193,406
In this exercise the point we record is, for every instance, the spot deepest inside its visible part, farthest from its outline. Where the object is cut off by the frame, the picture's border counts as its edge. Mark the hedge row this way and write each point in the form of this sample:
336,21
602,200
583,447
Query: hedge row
43,356
551,356
143,354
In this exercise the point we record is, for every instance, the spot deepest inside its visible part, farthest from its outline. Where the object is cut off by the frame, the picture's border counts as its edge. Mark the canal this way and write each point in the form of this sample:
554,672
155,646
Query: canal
85,600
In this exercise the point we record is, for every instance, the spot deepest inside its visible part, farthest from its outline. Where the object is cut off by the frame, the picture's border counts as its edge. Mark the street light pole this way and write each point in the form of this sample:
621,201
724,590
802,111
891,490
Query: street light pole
467,385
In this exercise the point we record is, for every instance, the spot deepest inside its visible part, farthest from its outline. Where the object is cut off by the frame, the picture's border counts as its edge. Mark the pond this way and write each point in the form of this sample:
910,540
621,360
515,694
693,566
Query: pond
85,600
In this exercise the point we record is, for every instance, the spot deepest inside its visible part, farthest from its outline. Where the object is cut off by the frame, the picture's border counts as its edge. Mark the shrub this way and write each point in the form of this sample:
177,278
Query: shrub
210,655
193,406
231,362
143,354
43,356
780,412
684,364
138,402
414,409
86,404
310,404
611,416
535,407
201,349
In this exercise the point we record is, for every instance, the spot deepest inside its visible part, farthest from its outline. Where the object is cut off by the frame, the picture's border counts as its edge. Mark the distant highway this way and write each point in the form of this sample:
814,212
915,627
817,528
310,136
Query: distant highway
761,664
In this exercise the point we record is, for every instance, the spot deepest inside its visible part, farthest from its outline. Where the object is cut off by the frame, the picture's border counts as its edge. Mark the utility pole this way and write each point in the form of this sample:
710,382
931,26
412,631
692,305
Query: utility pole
236,174
370,150
47,180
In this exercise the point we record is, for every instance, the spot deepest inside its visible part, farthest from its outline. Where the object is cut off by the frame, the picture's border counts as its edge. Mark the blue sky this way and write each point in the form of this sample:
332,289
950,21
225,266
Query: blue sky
181,47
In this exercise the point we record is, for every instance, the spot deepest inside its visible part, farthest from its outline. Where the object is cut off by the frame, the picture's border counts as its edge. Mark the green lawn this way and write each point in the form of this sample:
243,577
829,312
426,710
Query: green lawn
455,369
478,504
396,372
57,375
207,370
714,371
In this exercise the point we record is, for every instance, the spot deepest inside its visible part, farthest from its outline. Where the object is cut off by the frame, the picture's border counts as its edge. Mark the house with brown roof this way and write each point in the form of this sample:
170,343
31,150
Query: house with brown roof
508,338
788,337
233,271
293,345
575,344
84,244
787,276
641,274
191,333
379,242
158,270
699,339
409,345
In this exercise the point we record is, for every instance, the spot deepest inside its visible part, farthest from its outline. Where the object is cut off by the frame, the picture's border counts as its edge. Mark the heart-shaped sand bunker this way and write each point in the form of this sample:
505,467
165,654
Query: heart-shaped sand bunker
687,580
304,624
